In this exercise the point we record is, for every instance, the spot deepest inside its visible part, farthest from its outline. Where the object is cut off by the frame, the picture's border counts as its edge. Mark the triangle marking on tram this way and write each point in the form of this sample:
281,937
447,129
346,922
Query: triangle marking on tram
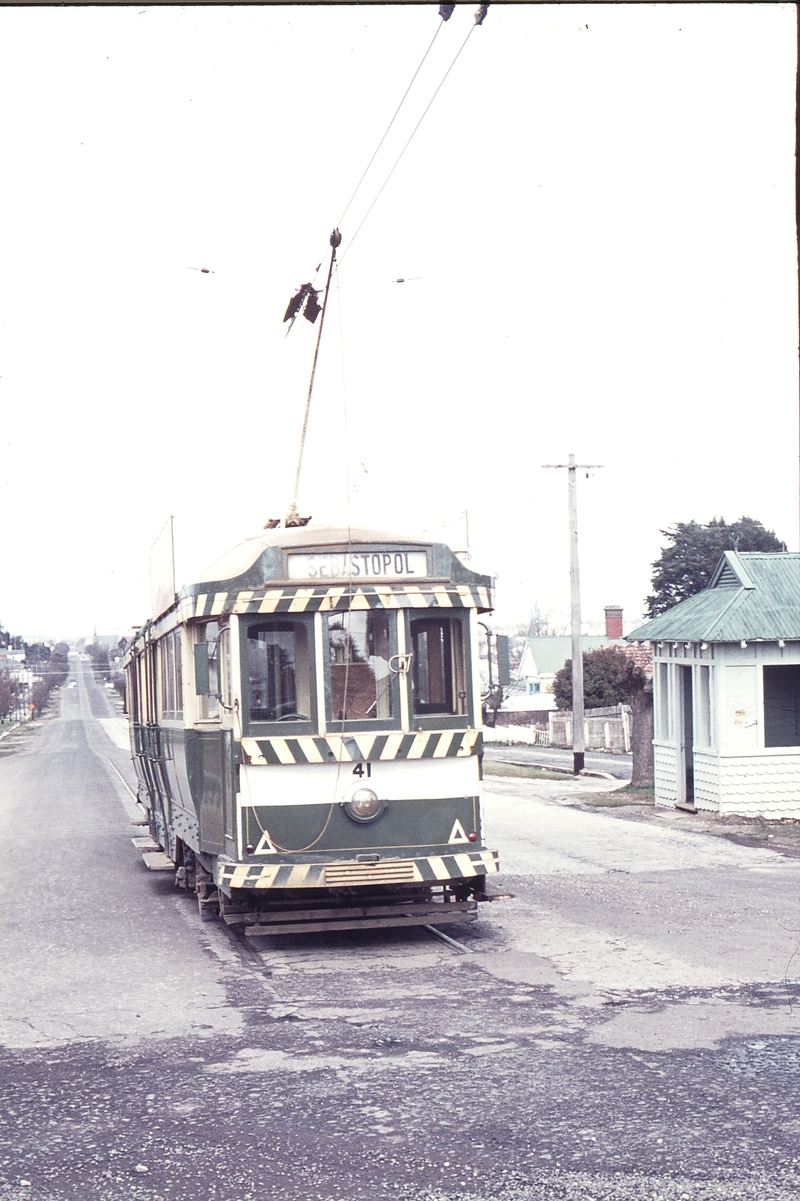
457,833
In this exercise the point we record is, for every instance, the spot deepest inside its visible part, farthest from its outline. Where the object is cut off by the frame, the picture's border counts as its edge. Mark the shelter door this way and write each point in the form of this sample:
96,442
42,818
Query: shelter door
686,735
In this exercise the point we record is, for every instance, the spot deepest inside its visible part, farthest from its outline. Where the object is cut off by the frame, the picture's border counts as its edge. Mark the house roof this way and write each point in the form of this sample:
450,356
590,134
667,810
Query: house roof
751,595
642,656
551,651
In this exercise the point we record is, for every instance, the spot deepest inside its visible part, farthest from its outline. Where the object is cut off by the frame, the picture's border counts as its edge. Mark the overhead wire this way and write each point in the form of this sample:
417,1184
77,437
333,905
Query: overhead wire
383,139
410,139
391,123
335,261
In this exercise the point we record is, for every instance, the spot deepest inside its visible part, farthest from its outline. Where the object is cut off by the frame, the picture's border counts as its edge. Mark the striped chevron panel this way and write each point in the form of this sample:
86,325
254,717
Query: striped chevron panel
360,748
323,599
431,869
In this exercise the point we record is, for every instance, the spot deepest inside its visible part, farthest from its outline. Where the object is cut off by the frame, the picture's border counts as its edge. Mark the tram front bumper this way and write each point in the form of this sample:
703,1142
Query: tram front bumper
428,869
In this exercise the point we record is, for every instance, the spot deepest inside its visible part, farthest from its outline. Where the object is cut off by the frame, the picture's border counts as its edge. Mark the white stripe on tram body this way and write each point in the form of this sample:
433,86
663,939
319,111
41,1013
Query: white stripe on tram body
327,783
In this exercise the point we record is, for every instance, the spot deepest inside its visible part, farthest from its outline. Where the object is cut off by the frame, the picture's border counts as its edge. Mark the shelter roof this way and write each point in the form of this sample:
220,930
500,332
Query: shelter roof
751,595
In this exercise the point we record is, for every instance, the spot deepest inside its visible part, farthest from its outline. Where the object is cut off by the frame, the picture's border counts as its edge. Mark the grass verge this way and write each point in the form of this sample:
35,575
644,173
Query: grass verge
629,794
494,768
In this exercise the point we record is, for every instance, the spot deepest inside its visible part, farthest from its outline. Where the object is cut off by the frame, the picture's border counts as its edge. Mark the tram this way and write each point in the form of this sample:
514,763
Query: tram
305,728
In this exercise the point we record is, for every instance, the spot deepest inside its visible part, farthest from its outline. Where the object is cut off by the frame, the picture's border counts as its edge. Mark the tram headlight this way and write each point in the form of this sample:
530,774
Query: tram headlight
363,805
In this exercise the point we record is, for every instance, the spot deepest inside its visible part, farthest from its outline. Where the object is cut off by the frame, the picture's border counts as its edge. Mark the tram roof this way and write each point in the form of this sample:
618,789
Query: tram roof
263,558
245,554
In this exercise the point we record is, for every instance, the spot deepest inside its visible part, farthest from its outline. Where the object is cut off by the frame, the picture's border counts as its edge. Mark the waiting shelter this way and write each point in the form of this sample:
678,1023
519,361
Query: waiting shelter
726,690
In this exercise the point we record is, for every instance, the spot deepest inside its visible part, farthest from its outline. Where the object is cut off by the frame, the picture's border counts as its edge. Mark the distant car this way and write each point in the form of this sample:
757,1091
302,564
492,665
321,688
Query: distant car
72,684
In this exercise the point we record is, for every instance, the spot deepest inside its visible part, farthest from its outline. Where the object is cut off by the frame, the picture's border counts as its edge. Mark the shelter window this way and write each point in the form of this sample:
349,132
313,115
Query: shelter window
782,705
703,732
359,652
437,665
278,673
663,700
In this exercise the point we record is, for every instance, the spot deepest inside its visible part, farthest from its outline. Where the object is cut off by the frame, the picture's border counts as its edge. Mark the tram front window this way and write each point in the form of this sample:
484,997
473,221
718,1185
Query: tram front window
437,666
278,672
359,653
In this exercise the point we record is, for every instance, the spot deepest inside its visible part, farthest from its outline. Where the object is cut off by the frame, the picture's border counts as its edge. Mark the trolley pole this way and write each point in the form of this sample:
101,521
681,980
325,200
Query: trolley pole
578,730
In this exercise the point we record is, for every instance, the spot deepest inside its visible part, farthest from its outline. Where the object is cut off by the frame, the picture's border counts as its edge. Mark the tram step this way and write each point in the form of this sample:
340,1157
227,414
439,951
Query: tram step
495,894
157,861
372,923
145,843
431,908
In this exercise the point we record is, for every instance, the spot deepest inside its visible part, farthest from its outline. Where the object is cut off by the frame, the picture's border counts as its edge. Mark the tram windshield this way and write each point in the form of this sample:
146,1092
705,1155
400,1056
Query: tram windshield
359,652
438,666
278,672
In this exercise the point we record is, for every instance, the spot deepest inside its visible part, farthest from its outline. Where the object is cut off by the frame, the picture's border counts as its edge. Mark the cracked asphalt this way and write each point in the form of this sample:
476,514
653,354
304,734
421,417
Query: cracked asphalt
625,1028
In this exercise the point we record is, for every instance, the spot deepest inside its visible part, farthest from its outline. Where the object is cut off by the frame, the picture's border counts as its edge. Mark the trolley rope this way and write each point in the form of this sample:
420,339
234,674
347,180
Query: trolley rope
293,850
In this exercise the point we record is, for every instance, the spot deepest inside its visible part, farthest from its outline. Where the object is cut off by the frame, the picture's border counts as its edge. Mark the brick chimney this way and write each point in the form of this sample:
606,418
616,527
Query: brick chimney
613,621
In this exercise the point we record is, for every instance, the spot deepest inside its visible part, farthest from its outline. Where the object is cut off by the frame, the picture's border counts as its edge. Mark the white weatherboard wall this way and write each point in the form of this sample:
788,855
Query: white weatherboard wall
735,773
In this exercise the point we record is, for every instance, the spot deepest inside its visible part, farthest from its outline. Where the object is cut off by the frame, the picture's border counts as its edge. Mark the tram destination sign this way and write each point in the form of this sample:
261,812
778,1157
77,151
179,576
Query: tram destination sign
382,564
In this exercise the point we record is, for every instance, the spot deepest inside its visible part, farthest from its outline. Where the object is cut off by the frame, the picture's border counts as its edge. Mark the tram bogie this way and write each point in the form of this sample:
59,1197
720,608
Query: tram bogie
305,731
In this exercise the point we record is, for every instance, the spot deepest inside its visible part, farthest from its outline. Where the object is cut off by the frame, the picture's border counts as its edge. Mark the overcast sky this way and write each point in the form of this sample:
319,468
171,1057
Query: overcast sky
599,208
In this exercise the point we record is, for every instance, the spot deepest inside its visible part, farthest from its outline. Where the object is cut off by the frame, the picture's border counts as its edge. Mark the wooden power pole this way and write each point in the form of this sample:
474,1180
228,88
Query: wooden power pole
578,732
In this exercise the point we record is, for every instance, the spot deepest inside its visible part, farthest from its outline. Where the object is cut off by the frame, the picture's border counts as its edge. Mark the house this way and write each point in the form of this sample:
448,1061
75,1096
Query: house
726,690
544,656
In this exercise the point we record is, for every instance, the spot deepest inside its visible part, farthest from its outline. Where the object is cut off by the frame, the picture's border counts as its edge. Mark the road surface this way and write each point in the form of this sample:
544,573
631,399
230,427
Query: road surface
626,1027
618,766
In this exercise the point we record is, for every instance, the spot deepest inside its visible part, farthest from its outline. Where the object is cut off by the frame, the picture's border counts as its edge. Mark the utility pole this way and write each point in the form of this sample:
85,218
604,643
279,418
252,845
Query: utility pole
578,732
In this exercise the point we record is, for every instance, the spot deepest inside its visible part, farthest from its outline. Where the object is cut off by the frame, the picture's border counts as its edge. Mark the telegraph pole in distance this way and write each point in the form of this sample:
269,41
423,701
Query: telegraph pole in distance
578,732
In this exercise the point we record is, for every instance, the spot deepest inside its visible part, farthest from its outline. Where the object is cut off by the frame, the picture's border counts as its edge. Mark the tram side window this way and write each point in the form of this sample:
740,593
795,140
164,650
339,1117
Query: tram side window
359,652
278,672
437,666
208,707
169,648
134,690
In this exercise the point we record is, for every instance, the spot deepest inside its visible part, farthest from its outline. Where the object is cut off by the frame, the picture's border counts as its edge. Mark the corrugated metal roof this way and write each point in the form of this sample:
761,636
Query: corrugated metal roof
551,651
751,595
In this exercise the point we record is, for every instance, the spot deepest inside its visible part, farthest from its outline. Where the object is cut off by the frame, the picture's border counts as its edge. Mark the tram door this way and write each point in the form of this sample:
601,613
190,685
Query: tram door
686,735
214,793
226,740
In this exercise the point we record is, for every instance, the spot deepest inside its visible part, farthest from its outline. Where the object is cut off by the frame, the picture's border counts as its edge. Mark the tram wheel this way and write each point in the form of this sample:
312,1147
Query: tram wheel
207,900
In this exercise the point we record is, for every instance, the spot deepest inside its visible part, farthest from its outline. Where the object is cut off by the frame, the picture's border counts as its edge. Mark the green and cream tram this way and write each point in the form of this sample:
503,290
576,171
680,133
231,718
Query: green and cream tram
305,726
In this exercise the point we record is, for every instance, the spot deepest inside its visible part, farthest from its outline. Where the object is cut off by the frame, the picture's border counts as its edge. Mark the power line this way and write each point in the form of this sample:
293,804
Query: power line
413,132
391,123
389,126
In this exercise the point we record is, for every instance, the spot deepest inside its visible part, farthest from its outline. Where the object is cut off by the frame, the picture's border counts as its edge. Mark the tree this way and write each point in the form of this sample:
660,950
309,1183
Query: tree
603,671
639,684
9,693
686,566
542,623
37,654
99,656
612,676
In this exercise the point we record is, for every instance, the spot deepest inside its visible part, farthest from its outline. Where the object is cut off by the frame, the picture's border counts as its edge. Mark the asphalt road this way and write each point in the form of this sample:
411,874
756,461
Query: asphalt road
626,1027
618,766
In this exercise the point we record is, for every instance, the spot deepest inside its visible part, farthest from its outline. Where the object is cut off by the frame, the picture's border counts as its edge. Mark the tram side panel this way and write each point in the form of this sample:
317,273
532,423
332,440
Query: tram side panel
210,768
159,749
